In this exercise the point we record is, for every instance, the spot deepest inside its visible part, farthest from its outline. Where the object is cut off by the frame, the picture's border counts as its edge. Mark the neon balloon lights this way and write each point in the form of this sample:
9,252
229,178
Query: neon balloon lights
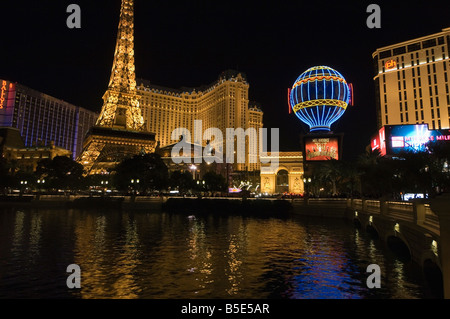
319,97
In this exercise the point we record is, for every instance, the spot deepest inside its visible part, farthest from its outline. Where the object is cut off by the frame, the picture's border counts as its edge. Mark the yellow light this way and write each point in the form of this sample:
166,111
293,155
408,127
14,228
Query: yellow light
356,213
397,227
371,219
434,247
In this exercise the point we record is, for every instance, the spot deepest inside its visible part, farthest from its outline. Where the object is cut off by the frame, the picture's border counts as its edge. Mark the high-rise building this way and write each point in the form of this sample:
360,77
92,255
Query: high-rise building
412,82
222,104
42,119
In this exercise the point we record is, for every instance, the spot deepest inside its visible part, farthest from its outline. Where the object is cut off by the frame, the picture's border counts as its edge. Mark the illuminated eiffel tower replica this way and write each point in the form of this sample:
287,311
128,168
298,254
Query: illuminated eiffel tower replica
120,130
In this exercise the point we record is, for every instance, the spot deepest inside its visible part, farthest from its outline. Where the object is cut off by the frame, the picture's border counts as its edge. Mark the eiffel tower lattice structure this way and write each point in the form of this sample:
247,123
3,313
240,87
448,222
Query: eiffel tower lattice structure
120,129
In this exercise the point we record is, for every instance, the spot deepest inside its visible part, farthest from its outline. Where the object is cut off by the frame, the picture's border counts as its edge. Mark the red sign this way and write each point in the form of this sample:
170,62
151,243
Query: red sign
3,95
390,64
321,148
379,141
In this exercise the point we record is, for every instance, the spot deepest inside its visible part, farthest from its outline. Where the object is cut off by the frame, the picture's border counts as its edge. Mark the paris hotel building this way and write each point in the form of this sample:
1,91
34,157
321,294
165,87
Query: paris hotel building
412,82
222,104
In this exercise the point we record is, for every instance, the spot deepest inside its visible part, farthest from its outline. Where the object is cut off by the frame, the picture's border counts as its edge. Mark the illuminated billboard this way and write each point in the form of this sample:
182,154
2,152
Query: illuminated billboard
393,139
413,138
321,148
378,141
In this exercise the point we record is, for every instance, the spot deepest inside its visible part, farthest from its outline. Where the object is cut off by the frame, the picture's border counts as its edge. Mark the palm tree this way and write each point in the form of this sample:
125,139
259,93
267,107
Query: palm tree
330,172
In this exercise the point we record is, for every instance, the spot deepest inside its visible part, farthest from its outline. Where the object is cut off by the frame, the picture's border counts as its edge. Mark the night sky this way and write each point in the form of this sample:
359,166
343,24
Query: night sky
190,43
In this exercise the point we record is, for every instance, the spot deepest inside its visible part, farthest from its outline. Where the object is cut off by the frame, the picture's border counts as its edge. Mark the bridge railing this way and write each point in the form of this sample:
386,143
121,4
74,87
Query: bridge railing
401,210
372,206
357,204
431,219
336,202
415,212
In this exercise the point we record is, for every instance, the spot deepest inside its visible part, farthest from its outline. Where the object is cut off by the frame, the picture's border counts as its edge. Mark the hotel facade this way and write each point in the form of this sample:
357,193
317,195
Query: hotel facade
43,119
223,104
412,82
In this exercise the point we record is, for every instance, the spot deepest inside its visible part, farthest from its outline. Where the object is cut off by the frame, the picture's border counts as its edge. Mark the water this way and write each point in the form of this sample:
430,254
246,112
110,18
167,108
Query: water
159,255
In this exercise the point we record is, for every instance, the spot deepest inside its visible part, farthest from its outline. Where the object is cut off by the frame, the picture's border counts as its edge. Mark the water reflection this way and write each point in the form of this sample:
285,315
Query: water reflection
201,266
158,255
234,264
35,236
18,233
127,262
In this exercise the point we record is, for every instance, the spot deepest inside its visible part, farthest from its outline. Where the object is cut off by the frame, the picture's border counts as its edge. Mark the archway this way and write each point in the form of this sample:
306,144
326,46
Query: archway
282,181
285,175
372,231
434,278
399,247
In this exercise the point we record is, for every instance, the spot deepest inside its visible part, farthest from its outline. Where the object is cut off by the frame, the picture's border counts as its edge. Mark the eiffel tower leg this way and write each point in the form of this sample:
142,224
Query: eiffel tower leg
90,155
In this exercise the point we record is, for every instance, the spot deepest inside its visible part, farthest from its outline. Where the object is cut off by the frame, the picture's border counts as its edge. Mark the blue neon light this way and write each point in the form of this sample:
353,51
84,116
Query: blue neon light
322,83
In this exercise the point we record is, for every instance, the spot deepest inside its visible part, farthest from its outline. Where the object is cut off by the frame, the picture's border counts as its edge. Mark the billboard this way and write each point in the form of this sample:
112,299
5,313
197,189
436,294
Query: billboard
378,141
413,138
394,139
321,148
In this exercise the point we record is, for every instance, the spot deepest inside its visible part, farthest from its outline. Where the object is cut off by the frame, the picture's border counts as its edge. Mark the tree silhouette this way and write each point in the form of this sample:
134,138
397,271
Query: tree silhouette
148,169
6,179
61,172
183,181
215,182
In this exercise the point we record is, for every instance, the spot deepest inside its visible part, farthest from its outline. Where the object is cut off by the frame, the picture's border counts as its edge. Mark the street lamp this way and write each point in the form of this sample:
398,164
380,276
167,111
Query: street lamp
193,168
306,181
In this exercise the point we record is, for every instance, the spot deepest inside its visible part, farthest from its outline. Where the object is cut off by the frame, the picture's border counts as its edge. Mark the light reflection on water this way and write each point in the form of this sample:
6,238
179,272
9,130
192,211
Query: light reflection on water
160,255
